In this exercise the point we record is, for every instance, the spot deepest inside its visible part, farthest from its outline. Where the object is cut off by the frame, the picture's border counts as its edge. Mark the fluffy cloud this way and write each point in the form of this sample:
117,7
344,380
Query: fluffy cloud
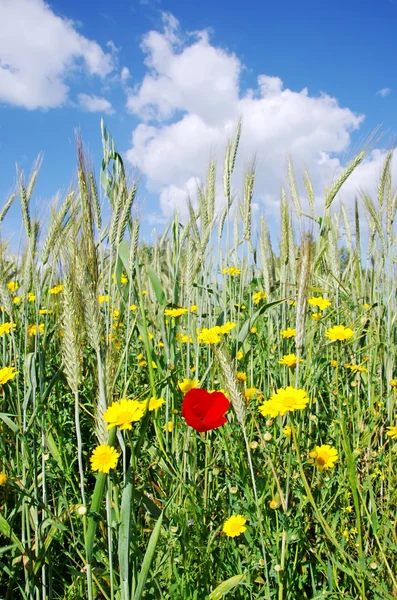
95,104
190,101
39,51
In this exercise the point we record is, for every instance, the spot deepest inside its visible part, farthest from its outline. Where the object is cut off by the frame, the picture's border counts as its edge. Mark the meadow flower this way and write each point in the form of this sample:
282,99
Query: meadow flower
288,333
154,365
227,327
253,330
334,363
274,503
316,316
154,403
193,308
392,432
289,360
188,384
45,311
133,307
17,300
250,393
204,410
241,376
3,478
393,382
287,431
57,289
234,526
160,344
104,458
6,327
231,271
6,374
31,297
34,329
356,368
143,363
366,306
283,401
339,333
209,336
123,413
319,301
258,296
13,286
102,299
239,355
323,457
168,427
175,312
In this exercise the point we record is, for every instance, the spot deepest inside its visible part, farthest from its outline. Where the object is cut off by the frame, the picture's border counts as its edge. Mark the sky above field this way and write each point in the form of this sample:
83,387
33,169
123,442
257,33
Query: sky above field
309,79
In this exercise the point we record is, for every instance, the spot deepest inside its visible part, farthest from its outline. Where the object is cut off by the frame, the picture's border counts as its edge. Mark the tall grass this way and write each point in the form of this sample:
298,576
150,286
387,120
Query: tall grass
152,528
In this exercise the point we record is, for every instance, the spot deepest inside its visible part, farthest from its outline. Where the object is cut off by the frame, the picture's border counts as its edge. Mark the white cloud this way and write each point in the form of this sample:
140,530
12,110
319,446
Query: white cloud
38,51
95,104
124,74
190,101
384,92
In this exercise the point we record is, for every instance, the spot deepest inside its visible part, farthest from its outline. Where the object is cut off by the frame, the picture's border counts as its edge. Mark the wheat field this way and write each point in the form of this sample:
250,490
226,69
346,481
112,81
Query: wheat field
117,478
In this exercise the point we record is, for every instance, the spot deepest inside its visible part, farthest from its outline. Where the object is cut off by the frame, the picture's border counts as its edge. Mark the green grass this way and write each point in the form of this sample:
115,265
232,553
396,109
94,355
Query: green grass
152,528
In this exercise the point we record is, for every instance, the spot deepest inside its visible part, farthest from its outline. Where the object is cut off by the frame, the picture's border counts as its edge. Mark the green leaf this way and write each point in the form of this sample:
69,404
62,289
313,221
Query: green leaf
125,534
156,284
5,529
147,559
226,586
5,417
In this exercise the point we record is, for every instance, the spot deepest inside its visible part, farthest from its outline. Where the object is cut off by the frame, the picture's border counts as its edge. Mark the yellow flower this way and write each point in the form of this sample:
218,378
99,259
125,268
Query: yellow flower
154,403
208,336
12,286
356,368
17,300
102,299
104,458
193,308
289,360
56,289
250,393
239,355
392,432
320,302
6,327
253,330
234,526
334,363
323,457
284,400
175,312
393,382
133,307
339,332
316,316
241,376
168,427
140,356
31,297
288,333
123,279
275,503
154,365
142,363
7,373
3,478
160,344
287,431
226,328
293,303
144,292
258,296
123,413
188,384
34,329
366,306
44,311
231,271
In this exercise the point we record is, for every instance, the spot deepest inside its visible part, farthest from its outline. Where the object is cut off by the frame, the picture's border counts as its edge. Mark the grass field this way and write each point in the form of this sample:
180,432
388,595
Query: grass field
294,494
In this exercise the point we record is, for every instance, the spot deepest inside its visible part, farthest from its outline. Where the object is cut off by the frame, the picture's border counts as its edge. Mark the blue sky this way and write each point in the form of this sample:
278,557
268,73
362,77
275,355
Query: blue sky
60,60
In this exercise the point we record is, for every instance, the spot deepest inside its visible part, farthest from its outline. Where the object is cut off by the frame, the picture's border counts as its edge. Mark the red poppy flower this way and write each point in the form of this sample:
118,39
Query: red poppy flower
204,410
